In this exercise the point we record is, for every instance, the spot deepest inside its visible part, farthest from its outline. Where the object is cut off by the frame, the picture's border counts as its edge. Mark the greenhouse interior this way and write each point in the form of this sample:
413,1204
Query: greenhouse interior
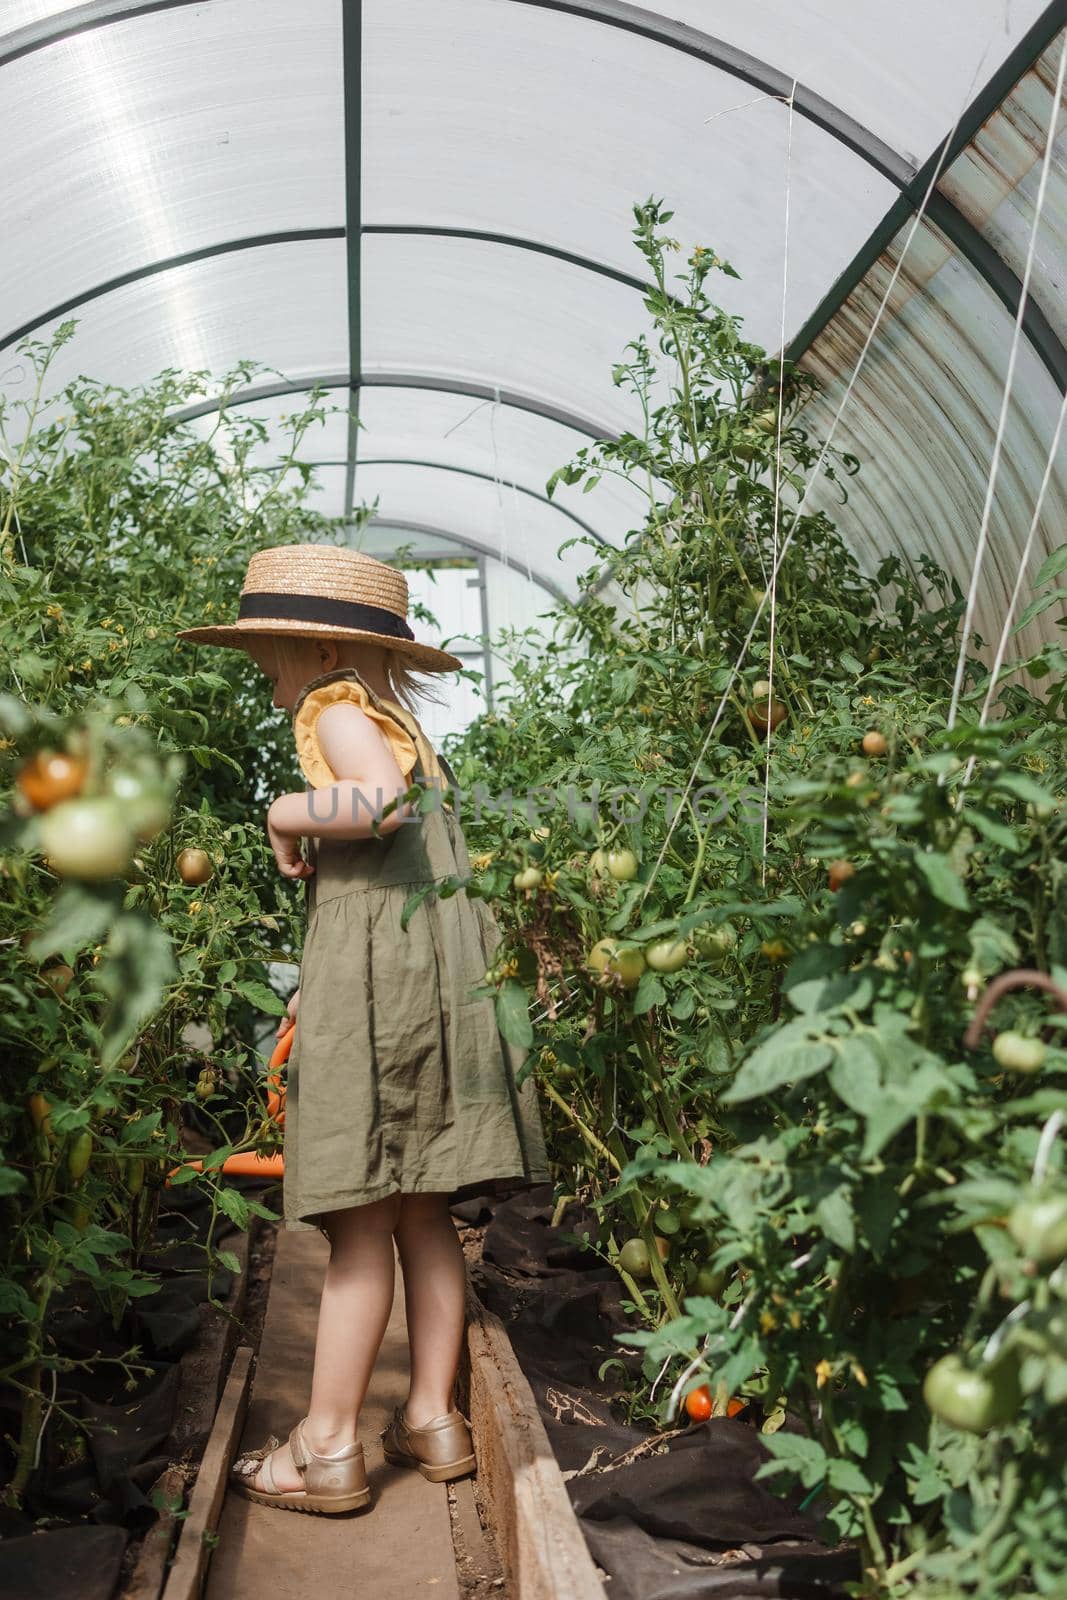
534,833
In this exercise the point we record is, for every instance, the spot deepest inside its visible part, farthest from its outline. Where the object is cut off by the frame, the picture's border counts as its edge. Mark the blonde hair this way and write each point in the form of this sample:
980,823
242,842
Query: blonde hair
407,685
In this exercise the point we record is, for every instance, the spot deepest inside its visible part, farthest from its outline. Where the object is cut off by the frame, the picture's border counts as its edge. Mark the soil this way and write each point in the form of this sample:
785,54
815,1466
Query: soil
478,1570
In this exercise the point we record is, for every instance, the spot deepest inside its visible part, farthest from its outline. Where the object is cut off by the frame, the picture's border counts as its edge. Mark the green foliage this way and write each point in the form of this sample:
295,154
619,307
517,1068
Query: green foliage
839,1168
118,526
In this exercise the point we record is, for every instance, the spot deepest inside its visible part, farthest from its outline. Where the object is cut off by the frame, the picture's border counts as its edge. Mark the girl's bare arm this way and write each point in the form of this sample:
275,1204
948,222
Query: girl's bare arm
368,780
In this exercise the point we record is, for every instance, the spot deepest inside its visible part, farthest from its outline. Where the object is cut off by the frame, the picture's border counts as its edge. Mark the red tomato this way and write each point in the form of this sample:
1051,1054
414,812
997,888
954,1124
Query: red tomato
698,1403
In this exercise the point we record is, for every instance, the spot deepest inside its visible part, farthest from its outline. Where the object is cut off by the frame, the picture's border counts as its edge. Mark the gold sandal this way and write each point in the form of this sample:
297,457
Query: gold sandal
331,1483
441,1449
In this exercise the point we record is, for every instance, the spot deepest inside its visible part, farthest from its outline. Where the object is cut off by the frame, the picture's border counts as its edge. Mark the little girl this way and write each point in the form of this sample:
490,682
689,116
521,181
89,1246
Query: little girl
401,1090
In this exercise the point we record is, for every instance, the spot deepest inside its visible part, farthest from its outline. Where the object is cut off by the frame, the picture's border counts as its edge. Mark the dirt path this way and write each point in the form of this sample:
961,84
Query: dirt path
399,1549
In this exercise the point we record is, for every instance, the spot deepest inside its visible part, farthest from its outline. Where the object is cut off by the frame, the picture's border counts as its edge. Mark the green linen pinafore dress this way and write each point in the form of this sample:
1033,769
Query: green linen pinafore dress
398,1080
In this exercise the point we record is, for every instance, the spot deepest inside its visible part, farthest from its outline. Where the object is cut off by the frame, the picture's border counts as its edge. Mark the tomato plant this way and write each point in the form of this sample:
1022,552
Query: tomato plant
844,1175
141,902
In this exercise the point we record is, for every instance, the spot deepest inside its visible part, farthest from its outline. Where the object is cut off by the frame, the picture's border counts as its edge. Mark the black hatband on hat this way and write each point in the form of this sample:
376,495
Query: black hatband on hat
331,613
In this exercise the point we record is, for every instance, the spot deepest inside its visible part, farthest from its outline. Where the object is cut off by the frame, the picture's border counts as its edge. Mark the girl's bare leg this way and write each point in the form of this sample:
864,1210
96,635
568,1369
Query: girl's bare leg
435,1299
357,1297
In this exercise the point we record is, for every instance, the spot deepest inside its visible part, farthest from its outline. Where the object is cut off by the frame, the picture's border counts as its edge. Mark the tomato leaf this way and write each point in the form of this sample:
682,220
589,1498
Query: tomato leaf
650,992
262,997
513,1014
834,1214
233,1205
413,902
1036,607
793,1452
847,1478
944,884
80,916
1052,566
139,965
1024,788
788,1056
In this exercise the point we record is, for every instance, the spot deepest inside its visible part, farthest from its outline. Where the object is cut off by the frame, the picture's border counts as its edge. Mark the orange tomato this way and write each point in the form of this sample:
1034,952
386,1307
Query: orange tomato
840,872
49,777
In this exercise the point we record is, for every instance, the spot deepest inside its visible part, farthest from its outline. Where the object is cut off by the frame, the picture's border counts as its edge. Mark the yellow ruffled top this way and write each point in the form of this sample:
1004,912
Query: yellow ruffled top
402,732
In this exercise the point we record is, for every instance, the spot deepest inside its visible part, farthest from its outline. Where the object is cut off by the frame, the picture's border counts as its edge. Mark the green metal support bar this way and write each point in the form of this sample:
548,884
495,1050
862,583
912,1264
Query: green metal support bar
352,62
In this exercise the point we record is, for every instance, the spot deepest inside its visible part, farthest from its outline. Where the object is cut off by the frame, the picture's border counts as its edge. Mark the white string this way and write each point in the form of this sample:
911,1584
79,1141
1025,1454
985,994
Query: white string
1049,1134
500,502
777,488
1024,292
998,660
744,104
916,222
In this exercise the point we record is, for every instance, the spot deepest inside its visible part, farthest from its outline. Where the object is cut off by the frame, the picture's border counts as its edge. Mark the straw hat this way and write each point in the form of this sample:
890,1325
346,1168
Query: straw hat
323,591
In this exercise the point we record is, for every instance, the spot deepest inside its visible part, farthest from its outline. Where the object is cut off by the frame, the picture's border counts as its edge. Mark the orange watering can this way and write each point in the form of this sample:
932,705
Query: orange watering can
246,1162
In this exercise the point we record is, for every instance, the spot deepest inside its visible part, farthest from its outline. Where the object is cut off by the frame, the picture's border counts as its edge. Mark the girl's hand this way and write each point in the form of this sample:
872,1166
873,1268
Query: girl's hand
286,847
289,1021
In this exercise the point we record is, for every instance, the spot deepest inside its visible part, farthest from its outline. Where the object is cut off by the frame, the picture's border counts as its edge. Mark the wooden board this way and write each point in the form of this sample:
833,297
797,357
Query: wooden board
537,1533
186,1577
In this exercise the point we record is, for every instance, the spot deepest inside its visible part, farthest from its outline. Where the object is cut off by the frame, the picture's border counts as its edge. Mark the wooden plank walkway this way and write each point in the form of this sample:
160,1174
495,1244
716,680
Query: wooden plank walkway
399,1549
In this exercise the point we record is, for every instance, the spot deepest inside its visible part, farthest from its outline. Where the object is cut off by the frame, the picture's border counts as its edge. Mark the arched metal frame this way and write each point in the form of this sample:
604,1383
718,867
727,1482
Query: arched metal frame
400,380
466,472
913,184
431,530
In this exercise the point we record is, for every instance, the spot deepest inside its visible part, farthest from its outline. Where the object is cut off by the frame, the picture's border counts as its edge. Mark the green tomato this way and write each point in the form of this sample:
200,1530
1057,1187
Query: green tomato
142,800
87,839
623,963
627,964
973,1401
710,1281
1039,1228
598,864
622,865
528,878
1017,1053
714,944
79,1154
667,955
600,955
634,1259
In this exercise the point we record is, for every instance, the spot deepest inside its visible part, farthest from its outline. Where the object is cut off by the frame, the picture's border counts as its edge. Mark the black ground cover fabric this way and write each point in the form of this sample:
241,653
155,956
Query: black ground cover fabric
668,1517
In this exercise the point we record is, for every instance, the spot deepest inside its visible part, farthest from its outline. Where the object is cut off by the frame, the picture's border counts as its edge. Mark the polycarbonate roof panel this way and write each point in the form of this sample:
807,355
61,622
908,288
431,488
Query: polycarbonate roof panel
489,314
192,127
995,184
513,448
20,13
544,126
381,538
283,304
516,530
903,70
322,441
165,134
922,419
